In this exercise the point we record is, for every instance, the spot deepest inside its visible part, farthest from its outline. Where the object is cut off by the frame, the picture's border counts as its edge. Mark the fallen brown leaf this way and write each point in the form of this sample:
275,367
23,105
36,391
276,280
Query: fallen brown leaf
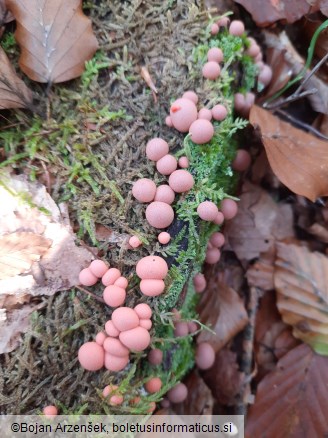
265,12
301,281
292,401
258,223
298,159
273,338
5,15
223,310
13,92
55,37
19,250
224,378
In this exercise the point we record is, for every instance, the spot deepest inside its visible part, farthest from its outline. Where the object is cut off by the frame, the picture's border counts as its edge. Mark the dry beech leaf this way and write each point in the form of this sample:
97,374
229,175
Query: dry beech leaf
223,310
55,37
13,92
265,12
5,15
273,338
292,401
19,250
258,223
297,158
301,281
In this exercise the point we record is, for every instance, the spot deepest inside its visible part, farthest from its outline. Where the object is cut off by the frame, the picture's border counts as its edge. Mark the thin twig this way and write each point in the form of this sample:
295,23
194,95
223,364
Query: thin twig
101,300
312,72
290,99
302,124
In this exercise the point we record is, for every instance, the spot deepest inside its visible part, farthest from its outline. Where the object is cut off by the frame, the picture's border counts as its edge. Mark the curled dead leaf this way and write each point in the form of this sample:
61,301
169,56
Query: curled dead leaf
13,92
223,310
301,281
292,401
297,158
55,37
5,15
265,12
19,250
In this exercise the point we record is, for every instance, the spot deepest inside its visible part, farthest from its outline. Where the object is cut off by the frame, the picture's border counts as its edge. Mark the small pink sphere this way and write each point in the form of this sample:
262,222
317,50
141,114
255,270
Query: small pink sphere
87,278
191,95
265,75
236,28
143,311
223,22
111,330
153,385
258,60
116,399
115,363
214,29
212,256
100,338
183,162
217,239
192,326
207,211
239,102
50,411
125,318
155,356
211,70
91,356
156,149
135,242
242,160
144,190
181,329
168,122
205,356
137,339
229,208
219,218
178,393
250,99
165,403
201,131
164,193
152,267
114,296
151,287
199,283
215,54
121,282
183,112
98,268
115,347
166,165
159,214
181,181
219,112
111,276
253,50
145,323
205,114
164,238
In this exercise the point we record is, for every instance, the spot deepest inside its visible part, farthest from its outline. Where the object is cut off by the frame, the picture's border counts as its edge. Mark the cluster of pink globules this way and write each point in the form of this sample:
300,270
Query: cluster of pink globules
128,329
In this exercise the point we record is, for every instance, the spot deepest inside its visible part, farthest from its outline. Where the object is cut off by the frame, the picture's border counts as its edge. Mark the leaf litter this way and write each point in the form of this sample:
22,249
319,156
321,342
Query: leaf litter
34,239
55,37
